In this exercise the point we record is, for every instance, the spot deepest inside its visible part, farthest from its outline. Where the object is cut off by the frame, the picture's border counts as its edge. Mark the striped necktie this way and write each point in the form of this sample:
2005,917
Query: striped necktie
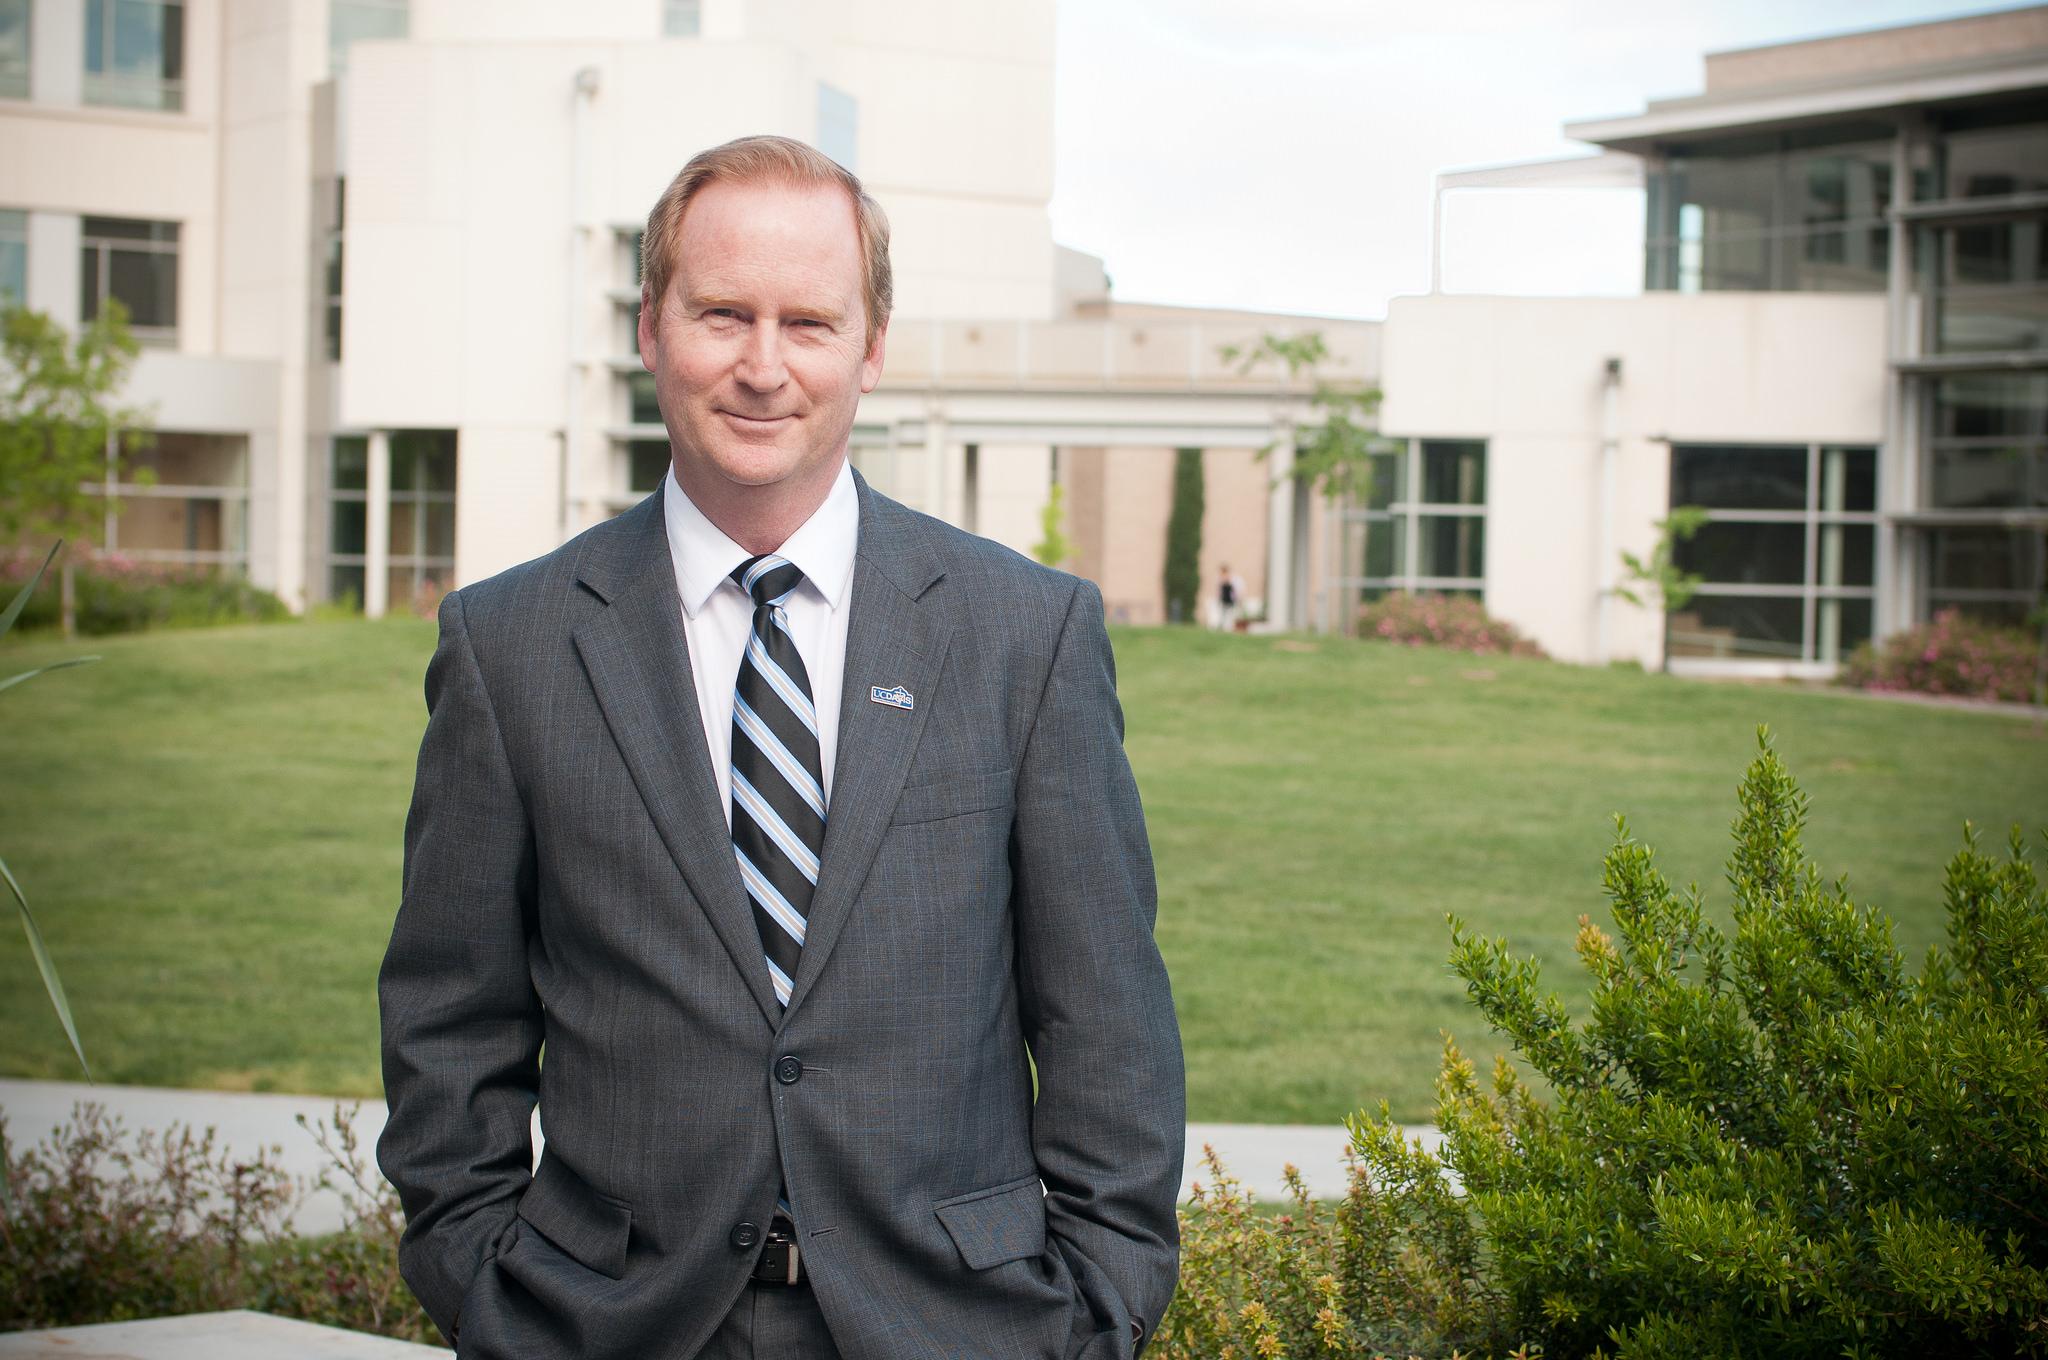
778,783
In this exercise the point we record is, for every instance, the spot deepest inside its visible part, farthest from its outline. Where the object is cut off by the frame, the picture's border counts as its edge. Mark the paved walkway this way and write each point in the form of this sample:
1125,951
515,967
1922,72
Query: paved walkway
208,1336
1253,1153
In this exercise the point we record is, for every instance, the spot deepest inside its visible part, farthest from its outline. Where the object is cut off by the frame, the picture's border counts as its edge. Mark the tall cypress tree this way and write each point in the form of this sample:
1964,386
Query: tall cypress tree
1184,538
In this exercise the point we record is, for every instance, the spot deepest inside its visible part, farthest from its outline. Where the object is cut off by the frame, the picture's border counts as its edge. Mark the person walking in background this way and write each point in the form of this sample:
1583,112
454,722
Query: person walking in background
1229,598
796,828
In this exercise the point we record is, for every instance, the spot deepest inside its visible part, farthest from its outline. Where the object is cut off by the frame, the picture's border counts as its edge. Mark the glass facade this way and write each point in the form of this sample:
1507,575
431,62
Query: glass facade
1422,526
135,53
1788,553
135,263
1801,212
1980,419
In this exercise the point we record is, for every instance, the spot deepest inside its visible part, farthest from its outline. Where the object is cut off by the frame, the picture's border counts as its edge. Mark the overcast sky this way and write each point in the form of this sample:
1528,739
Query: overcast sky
1280,155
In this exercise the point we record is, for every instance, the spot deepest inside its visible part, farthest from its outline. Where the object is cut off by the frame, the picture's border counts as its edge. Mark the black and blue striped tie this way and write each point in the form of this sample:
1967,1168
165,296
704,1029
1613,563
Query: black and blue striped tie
778,782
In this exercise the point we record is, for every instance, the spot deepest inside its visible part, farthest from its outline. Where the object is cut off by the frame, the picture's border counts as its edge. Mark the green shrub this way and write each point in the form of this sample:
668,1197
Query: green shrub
117,594
102,1227
1183,572
1952,654
1454,621
1771,1142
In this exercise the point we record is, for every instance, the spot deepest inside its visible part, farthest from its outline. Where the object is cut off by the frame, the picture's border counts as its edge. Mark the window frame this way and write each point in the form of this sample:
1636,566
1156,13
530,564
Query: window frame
1815,519
108,88
19,84
103,249
1404,514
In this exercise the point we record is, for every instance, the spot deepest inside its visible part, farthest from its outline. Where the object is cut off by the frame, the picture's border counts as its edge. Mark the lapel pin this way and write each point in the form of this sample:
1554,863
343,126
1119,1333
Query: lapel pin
896,697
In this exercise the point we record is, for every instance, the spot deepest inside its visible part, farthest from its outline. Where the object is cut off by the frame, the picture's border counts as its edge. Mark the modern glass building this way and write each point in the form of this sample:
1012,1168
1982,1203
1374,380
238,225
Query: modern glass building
1840,355
1910,164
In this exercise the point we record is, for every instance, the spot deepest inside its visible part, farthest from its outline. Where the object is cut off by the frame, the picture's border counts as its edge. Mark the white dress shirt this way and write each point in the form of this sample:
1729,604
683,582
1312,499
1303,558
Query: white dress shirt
717,614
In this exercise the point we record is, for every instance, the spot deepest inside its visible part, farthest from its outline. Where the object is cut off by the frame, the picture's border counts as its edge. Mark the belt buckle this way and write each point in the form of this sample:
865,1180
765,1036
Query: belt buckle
780,1262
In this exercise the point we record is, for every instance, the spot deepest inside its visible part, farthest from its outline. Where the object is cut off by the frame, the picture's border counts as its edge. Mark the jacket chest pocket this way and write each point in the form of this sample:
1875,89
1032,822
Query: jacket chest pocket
955,796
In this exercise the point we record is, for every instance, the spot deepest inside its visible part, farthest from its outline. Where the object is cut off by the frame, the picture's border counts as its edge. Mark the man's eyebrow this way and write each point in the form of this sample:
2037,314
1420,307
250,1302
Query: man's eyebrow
697,302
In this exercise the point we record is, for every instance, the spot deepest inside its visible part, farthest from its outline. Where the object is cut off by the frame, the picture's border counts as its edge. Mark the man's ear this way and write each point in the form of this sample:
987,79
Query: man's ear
871,365
644,332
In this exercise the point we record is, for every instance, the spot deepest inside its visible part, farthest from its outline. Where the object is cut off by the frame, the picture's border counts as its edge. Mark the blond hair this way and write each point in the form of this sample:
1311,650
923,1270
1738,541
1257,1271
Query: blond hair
755,160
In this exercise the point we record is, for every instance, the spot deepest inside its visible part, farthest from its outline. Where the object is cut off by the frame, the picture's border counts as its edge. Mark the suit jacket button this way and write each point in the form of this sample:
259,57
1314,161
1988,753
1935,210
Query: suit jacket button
745,1235
789,1070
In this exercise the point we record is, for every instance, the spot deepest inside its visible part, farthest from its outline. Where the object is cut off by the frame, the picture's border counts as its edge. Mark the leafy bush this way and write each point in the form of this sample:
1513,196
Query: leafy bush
1953,654
1392,1269
1454,621
1775,1142
102,1227
117,594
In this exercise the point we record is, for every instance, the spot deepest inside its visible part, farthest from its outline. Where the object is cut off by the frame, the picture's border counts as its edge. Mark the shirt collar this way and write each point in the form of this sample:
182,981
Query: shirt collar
822,547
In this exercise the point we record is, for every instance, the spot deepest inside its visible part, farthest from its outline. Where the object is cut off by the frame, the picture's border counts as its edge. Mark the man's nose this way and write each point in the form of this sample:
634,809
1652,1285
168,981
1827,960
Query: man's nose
761,366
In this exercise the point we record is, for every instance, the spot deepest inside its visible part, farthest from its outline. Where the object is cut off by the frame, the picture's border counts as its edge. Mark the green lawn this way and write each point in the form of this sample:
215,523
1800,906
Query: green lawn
209,825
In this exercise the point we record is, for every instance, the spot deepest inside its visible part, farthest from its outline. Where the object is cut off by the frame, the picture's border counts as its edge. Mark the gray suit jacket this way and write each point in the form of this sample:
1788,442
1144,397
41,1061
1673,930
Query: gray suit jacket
986,902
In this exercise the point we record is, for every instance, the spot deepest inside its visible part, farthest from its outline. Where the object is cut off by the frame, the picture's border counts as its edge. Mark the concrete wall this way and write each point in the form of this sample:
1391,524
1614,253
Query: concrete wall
1526,375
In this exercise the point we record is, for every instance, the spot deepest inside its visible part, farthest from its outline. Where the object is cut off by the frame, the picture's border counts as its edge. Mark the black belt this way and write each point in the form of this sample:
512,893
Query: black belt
779,1262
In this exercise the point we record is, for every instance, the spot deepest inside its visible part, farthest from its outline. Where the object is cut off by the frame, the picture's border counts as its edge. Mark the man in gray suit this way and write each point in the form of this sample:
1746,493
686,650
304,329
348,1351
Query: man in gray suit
796,828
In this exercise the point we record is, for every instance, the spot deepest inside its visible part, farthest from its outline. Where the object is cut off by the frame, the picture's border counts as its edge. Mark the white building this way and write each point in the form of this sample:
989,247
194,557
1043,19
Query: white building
1841,354
383,255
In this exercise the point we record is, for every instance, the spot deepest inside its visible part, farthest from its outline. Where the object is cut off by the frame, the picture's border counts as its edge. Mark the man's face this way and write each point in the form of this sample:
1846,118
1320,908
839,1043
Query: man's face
760,351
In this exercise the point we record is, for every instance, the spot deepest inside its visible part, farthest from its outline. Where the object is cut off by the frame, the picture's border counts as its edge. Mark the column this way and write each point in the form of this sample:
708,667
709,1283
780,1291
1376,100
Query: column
377,534
933,496
1280,522
56,58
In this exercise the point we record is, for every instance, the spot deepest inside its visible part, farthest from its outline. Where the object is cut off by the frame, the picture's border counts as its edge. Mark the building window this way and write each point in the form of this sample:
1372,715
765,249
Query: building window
13,257
682,18
1423,525
352,21
330,270
838,125
1790,213
646,464
14,48
136,264
1788,552
421,538
135,53
183,498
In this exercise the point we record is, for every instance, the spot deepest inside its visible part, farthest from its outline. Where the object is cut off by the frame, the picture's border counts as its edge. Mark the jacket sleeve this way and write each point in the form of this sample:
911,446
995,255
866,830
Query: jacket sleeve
1110,1122
461,1021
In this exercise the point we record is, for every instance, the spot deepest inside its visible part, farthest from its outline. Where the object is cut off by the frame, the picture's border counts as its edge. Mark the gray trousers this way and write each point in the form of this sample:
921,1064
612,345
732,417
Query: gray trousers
772,1322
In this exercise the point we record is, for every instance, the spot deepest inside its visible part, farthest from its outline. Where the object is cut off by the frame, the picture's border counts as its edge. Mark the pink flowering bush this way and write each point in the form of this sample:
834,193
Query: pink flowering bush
1452,621
119,594
1953,654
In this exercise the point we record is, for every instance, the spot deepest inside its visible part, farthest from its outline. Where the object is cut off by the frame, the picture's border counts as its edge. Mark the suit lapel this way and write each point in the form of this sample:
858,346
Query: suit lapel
895,636
638,659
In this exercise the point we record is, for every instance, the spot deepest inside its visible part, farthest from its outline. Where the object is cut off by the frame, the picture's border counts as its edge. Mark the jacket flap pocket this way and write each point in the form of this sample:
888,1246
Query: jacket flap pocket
955,796
1003,1223
591,1227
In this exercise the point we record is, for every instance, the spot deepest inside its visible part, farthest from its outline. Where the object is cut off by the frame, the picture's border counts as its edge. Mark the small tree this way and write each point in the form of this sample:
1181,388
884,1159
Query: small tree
1053,548
1183,574
60,422
1660,582
1336,453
